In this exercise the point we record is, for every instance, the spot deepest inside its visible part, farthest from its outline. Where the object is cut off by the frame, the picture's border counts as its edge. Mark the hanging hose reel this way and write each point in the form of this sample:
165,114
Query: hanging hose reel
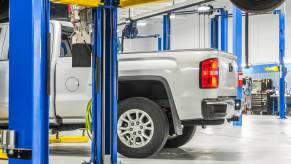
130,30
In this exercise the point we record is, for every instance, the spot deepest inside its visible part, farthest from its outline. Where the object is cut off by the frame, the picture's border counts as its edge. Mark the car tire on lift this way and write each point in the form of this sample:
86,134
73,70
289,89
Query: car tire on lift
177,141
143,127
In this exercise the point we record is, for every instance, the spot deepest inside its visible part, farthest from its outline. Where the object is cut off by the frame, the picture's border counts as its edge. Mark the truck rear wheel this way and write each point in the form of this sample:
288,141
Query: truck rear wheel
143,127
177,141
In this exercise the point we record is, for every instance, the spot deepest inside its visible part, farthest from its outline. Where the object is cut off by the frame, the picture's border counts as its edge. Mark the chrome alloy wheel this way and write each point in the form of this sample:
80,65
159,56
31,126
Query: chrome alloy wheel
135,128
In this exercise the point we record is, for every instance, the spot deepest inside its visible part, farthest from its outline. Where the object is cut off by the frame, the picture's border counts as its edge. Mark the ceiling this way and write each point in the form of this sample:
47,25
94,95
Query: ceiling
140,10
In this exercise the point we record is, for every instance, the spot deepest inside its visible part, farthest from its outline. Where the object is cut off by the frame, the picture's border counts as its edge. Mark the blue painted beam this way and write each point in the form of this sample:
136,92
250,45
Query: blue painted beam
166,32
282,64
224,30
28,96
237,50
214,33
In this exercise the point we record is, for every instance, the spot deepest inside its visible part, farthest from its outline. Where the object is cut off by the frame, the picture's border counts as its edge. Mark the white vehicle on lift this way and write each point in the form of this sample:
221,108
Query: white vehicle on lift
163,96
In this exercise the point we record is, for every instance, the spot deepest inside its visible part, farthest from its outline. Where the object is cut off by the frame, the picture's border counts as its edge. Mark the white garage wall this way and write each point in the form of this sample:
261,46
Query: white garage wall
153,27
185,32
264,36
264,39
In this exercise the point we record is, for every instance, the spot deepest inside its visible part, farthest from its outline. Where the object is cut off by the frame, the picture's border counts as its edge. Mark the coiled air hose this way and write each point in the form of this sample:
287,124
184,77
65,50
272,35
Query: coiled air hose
88,124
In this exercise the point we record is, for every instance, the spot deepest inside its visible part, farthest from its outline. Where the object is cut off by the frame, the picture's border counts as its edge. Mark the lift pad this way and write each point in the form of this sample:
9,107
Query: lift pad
96,3
3,156
69,139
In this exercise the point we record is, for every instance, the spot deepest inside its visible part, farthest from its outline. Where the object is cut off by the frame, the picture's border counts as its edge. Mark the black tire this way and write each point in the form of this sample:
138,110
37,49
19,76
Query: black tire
258,5
177,141
160,132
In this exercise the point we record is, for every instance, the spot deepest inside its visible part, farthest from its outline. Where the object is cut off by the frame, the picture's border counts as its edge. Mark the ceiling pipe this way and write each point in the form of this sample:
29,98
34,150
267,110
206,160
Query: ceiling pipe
166,10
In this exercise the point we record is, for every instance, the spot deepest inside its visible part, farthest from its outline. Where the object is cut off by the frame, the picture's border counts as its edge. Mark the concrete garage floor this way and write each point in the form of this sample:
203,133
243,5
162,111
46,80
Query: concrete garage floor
261,140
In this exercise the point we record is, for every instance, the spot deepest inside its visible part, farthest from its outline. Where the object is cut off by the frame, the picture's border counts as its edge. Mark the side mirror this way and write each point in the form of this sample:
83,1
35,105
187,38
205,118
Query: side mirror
4,11
81,55
257,5
59,12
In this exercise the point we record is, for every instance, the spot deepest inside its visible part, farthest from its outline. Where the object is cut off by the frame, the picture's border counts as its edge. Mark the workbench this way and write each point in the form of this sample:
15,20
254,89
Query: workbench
273,97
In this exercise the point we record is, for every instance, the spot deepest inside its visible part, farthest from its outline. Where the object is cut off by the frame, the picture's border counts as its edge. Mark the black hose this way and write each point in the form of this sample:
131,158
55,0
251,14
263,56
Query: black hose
247,40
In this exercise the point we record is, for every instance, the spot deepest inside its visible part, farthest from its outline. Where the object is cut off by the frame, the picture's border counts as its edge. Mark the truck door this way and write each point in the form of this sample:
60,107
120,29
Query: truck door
73,89
4,72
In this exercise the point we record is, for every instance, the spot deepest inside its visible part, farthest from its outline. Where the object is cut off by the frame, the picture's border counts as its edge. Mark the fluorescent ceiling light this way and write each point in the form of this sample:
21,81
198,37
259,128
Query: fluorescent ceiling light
141,23
204,8
172,16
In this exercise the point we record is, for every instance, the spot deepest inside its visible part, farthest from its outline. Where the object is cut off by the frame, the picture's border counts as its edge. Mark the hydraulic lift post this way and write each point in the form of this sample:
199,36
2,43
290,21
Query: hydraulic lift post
237,50
283,69
104,71
224,30
28,94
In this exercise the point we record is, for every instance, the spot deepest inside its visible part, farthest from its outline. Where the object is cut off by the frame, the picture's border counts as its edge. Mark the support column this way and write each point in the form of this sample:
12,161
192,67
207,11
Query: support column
224,30
28,94
237,50
283,69
167,32
104,74
214,32
160,43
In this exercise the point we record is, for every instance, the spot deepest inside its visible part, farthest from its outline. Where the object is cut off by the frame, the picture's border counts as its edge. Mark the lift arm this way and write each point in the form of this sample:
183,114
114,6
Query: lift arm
96,3
86,3
130,3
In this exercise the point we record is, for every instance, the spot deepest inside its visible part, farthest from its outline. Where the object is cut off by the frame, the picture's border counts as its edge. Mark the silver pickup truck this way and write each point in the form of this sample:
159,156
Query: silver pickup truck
163,96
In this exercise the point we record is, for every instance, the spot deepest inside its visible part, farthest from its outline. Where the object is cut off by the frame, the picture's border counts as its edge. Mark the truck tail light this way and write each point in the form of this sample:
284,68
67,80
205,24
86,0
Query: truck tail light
209,73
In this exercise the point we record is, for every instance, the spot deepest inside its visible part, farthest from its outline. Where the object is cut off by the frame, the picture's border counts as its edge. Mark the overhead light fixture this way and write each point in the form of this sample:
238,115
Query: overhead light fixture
172,16
141,24
205,8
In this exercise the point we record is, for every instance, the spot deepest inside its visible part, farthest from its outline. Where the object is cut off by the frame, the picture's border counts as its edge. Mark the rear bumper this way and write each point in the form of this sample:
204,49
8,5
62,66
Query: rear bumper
215,109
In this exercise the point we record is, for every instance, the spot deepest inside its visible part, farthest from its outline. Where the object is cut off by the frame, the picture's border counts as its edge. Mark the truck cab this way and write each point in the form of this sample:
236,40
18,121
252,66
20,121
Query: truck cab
69,86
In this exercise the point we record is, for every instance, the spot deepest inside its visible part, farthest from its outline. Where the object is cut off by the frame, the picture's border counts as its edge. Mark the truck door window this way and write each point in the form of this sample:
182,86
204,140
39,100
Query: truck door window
2,41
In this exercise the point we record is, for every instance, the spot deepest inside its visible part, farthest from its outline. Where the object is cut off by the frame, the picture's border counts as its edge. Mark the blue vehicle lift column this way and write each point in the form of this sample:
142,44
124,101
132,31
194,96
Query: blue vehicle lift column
28,94
104,72
214,32
224,30
283,69
237,50
160,43
167,32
